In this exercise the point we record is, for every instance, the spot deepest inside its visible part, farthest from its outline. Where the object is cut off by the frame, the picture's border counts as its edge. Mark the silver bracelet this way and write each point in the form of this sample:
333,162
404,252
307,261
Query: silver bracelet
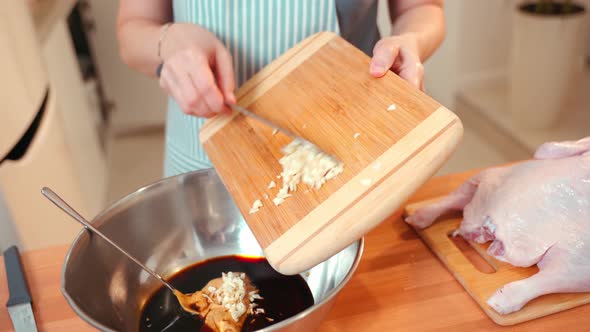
162,36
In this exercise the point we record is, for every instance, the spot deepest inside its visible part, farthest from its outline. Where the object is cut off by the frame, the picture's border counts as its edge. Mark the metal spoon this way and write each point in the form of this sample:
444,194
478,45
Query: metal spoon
185,300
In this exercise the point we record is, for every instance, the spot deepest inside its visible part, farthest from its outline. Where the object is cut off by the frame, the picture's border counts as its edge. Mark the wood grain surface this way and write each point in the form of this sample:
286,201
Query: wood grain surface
400,285
481,285
322,91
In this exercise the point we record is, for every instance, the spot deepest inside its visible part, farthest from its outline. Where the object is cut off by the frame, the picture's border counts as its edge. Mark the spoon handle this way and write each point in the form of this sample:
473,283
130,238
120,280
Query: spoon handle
60,203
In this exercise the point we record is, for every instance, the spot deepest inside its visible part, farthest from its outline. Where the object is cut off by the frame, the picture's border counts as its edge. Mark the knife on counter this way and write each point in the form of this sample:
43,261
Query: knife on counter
19,302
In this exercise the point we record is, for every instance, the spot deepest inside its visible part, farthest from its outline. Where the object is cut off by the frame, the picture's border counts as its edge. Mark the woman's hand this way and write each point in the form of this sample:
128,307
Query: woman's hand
400,54
197,70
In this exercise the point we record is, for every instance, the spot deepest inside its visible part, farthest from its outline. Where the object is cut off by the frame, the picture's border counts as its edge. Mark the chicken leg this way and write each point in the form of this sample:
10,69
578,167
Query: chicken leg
551,278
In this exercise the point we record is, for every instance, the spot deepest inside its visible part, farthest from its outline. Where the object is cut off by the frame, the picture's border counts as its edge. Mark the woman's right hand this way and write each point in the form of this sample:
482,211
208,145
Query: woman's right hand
197,70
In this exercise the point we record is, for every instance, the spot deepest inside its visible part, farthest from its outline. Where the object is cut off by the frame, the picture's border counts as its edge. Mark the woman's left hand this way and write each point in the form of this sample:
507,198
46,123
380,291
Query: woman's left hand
400,54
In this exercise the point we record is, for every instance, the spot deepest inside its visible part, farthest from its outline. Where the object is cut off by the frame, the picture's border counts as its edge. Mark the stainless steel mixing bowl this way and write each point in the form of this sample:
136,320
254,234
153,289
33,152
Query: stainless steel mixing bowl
169,225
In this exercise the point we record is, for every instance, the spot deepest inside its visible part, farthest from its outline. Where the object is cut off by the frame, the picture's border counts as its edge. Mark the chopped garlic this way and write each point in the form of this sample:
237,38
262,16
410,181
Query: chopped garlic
283,193
356,135
210,300
366,182
275,131
256,206
265,196
391,107
230,294
254,296
304,162
272,184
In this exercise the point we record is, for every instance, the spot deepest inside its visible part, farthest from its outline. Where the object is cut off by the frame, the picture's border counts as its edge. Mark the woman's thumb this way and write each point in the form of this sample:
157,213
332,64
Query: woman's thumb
383,57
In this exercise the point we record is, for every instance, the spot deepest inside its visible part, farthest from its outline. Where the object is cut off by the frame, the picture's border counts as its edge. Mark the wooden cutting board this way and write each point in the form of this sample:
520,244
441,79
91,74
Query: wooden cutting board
481,285
322,90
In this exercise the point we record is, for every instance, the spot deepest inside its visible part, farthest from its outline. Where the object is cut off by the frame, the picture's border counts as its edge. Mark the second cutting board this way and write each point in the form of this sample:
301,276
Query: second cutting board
322,90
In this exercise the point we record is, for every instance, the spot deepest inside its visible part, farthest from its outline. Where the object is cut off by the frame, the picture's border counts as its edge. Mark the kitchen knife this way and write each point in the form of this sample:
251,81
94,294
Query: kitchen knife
19,302
246,112
242,110
267,122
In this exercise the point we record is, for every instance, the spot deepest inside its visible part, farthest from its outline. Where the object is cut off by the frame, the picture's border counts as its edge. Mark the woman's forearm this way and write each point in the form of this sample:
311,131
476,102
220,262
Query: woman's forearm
139,27
424,19
138,45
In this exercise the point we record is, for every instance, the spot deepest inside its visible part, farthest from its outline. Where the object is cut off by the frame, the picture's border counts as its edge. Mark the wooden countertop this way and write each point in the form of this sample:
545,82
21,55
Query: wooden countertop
400,285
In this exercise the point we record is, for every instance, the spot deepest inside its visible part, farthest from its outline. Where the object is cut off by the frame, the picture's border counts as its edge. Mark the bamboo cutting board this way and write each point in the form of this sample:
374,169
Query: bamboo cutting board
481,285
322,90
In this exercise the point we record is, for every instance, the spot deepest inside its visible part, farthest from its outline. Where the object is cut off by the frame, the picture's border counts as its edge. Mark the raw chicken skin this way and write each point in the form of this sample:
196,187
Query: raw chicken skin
536,212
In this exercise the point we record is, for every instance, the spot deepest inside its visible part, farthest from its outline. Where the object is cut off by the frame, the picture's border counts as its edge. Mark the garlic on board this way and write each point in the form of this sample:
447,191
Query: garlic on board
305,162
256,206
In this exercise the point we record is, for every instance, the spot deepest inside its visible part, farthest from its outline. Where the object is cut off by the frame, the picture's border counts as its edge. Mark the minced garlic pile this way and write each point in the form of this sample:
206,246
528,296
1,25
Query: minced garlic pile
231,295
305,162
302,162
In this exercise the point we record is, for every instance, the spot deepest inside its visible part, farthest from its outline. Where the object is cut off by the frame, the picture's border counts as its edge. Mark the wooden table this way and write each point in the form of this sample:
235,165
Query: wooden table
400,285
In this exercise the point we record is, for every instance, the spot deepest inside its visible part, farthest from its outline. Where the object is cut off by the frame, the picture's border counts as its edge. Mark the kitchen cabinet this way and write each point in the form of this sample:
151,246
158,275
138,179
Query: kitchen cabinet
24,78
49,132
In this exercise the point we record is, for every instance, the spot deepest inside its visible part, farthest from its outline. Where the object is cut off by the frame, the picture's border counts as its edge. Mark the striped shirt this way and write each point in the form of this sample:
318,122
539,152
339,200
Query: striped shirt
256,32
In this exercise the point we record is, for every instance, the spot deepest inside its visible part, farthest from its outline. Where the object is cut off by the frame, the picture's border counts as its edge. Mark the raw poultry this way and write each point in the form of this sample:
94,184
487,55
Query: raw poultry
535,212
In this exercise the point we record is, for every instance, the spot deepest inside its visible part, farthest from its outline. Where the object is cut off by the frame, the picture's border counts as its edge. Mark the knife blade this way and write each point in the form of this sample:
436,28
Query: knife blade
267,122
19,302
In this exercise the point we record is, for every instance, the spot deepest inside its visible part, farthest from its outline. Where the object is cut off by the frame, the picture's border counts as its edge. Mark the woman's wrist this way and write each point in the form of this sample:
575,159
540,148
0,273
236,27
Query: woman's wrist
425,24
163,32
138,45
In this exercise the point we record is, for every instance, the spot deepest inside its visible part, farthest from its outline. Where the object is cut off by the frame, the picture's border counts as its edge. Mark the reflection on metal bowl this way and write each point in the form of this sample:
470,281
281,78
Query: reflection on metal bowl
169,225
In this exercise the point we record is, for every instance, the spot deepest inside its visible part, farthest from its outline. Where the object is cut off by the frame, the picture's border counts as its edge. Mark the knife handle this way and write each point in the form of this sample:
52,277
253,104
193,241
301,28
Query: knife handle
17,284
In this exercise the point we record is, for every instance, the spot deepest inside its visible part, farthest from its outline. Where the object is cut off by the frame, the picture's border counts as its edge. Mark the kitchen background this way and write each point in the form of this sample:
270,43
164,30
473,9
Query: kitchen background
100,135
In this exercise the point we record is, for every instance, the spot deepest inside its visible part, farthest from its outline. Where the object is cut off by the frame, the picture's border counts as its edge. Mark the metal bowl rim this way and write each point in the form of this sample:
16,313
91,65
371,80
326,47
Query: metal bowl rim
82,314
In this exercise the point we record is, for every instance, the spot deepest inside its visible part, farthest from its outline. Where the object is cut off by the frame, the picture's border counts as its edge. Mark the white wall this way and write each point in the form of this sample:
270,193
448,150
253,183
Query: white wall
441,69
476,45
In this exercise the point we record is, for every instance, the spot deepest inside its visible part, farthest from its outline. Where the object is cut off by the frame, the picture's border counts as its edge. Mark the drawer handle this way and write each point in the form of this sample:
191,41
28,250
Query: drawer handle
21,147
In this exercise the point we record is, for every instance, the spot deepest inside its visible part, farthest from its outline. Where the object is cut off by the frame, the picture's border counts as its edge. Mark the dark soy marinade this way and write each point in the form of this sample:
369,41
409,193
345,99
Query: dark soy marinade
284,296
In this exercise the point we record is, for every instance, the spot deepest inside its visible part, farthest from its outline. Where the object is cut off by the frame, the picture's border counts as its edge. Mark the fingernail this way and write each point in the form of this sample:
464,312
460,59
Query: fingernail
231,97
378,66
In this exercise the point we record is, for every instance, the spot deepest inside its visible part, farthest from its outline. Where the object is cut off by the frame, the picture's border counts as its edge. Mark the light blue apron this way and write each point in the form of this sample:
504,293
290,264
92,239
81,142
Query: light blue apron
256,32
